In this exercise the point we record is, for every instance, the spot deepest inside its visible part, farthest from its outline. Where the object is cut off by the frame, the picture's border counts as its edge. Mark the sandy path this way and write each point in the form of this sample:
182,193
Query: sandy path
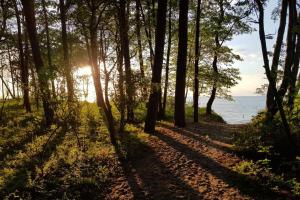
187,164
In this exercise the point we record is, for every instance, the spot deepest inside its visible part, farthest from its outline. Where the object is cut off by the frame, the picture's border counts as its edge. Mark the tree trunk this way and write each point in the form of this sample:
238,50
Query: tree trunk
139,40
214,89
277,50
262,36
11,72
49,49
123,25
23,66
67,64
92,50
181,64
148,35
196,74
290,52
28,7
215,75
121,88
157,68
164,102
292,88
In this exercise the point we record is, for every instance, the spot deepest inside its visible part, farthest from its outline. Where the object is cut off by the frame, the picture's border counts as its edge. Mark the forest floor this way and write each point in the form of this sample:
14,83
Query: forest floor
189,163
196,162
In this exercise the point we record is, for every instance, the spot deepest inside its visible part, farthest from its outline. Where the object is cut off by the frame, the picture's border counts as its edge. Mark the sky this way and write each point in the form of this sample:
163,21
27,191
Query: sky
248,47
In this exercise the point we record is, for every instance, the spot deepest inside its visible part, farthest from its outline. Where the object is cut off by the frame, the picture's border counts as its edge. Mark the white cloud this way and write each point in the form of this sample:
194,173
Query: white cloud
247,86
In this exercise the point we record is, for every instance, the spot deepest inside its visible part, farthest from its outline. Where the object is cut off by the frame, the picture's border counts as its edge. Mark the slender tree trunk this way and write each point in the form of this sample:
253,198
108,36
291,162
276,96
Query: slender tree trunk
148,35
214,89
196,73
181,64
121,88
30,67
290,53
67,64
50,66
11,72
92,49
23,66
157,68
164,102
123,25
2,82
277,50
6,86
28,8
292,88
139,40
262,36
221,19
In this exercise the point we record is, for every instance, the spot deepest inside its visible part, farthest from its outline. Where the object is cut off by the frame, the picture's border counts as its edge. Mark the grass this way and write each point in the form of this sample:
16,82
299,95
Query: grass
61,162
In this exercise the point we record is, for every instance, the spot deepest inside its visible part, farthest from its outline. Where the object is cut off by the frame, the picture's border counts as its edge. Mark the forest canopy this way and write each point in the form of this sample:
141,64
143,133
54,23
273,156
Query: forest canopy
102,83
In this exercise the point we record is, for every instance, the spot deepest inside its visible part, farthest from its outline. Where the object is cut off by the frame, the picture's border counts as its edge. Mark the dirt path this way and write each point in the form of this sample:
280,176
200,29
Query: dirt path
191,163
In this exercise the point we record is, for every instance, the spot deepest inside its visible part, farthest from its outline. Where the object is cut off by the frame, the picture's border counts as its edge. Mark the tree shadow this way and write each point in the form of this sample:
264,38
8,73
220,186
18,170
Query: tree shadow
149,178
20,179
217,131
19,146
188,132
243,183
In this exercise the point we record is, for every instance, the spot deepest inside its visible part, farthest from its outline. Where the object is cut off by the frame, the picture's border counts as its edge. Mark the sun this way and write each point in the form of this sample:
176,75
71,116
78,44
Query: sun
84,71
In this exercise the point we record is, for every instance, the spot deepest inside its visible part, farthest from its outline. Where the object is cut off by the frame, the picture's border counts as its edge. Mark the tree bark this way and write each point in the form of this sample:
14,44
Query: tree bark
11,72
148,35
157,68
121,88
181,64
28,8
290,50
196,68
23,66
139,40
123,26
277,50
214,89
53,90
92,49
68,70
262,36
166,86
295,69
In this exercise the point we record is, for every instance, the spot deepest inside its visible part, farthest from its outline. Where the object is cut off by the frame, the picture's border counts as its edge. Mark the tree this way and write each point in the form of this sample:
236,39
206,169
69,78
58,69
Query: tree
123,29
276,54
28,8
162,113
22,64
272,82
152,110
48,44
63,6
179,114
139,42
223,19
196,75
91,14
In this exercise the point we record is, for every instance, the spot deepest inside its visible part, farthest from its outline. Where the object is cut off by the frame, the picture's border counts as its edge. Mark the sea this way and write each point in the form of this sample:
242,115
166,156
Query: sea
239,111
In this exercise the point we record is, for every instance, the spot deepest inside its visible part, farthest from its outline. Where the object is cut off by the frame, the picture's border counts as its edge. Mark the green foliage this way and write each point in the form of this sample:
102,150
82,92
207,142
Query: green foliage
34,160
261,170
133,142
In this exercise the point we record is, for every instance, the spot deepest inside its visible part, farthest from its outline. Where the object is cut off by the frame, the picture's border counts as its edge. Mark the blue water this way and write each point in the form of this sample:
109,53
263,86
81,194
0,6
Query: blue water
239,111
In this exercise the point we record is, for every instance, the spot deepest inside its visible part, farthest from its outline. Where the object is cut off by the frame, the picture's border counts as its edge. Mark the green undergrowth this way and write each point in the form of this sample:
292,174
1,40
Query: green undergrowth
72,159
262,171
269,153
189,113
